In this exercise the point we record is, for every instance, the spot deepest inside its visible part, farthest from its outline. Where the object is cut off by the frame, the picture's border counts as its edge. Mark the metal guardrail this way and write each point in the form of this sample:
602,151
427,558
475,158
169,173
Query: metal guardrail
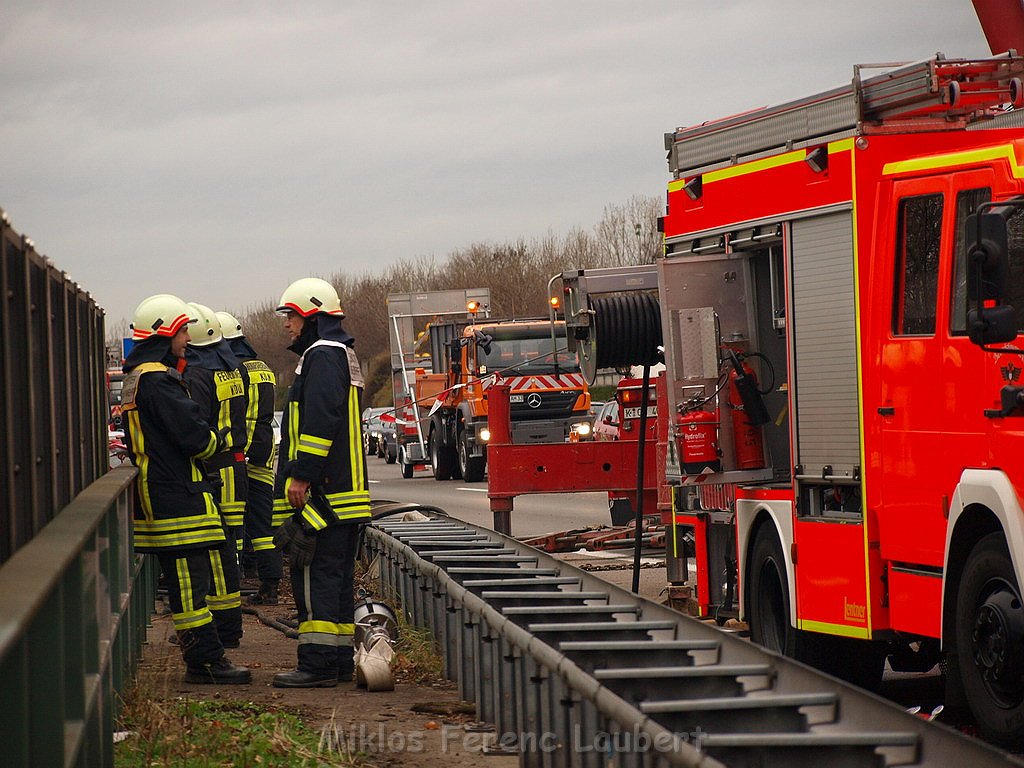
574,671
52,390
74,604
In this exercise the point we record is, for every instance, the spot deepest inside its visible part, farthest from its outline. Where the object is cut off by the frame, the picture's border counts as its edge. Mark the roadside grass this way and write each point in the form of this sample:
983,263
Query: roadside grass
163,729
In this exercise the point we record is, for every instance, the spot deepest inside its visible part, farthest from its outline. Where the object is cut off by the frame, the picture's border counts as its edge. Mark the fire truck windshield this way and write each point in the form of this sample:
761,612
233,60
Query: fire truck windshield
529,354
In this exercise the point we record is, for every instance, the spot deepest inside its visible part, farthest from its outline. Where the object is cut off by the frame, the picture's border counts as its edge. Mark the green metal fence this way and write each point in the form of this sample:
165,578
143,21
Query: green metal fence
74,604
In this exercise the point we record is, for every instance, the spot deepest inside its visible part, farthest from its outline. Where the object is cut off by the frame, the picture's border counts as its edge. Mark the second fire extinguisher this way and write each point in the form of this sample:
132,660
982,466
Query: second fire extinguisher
748,414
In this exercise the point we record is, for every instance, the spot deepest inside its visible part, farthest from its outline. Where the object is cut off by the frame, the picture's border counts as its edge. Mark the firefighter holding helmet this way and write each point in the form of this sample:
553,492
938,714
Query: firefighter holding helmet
259,453
321,481
175,516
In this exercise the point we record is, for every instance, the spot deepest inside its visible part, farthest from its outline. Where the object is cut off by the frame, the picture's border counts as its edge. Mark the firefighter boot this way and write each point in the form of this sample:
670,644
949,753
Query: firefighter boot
219,672
300,679
267,593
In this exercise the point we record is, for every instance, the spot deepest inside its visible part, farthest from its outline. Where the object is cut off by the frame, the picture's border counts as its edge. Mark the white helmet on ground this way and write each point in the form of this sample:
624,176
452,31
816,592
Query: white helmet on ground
207,328
229,325
160,315
309,296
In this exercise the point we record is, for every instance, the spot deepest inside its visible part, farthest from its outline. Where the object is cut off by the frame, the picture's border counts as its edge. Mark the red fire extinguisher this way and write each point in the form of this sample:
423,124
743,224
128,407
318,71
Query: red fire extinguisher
698,437
748,414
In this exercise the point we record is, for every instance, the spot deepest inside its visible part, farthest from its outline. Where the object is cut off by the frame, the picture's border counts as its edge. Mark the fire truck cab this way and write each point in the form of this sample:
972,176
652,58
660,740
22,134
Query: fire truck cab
844,328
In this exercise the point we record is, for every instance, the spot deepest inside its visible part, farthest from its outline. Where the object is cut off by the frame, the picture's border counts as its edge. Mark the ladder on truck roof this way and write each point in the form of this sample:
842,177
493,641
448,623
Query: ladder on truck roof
931,95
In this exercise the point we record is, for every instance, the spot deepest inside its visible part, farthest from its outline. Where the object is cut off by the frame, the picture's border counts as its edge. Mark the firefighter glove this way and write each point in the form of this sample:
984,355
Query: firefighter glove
299,544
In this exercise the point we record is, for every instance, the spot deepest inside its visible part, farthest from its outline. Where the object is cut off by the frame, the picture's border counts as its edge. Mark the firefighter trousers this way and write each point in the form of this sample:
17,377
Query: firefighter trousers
187,576
225,598
259,527
323,596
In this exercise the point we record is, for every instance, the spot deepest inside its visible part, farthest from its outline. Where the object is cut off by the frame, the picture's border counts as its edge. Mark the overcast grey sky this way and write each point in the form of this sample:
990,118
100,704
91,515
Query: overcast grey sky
219,150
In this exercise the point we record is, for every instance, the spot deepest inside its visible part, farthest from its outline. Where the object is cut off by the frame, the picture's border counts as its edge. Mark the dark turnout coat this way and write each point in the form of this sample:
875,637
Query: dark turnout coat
167,439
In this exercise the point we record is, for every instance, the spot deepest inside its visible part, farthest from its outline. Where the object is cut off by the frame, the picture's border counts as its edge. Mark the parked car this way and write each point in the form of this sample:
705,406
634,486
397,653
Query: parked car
606,422
372,429
387,442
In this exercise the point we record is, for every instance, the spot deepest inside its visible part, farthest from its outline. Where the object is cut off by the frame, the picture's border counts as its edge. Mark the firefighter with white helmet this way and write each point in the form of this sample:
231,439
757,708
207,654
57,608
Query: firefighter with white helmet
321,482
175,515
259,452
219,384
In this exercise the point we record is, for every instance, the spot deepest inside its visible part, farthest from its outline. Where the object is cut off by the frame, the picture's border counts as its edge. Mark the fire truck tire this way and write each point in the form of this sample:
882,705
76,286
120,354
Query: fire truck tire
390,455
407,468
442,458
990,642
768,610
472,467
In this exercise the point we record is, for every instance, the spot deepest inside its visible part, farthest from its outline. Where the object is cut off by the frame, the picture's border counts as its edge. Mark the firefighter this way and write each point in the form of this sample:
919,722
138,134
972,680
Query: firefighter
321,478
175,516
220,388
260,522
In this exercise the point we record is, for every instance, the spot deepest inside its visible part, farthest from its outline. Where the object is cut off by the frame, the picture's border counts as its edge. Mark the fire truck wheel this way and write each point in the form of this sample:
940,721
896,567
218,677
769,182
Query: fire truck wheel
390,455
990,642
442,460
856,661
407,468
472,467
768,609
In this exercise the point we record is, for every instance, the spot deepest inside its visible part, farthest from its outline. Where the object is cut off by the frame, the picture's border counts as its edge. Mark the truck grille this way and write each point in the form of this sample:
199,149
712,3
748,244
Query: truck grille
552,405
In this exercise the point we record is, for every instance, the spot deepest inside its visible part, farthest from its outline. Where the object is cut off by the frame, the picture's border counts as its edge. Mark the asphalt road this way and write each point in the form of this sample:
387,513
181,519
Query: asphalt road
531,515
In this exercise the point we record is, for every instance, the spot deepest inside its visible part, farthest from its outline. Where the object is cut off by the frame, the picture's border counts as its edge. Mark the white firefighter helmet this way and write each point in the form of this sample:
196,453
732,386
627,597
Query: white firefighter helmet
229,325
160,315
309,296
206,331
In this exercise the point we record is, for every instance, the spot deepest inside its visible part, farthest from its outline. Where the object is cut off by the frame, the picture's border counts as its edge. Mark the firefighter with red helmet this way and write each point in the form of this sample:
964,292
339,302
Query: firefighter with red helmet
219,385
175,516
259,452
321,481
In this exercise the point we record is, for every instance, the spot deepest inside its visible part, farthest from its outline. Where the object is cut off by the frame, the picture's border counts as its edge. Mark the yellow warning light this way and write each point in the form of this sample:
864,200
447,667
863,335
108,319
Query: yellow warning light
556,302
472,307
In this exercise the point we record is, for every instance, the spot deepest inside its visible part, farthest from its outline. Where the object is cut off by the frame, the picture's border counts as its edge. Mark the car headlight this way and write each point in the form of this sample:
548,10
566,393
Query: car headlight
583,429
484,435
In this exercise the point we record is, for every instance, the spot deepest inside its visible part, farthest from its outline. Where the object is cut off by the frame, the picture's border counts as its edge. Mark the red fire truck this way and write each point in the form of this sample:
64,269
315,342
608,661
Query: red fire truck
860,447
841,418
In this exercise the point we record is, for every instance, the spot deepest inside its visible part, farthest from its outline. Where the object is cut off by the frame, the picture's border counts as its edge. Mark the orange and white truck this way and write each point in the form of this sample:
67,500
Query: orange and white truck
454,361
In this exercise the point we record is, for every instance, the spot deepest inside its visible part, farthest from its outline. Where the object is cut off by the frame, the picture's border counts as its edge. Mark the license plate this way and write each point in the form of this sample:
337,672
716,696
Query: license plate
515,398
634,413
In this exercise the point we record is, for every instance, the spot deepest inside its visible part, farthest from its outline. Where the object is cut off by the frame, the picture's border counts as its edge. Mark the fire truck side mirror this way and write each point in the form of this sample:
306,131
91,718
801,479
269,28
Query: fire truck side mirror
987,259
988,269
995,325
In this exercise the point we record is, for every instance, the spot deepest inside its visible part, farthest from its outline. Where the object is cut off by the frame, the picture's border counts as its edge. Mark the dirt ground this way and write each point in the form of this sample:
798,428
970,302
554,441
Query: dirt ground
383,726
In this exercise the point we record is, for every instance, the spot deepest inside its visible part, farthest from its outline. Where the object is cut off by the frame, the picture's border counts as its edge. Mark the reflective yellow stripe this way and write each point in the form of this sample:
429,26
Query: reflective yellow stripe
184,584
324,627
260,474
141,461
835,629
183,523
210,449
192,619
164,540
263,543
224,602
293,430
355,442
314,445
220,586
311,516
952,159
279,518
